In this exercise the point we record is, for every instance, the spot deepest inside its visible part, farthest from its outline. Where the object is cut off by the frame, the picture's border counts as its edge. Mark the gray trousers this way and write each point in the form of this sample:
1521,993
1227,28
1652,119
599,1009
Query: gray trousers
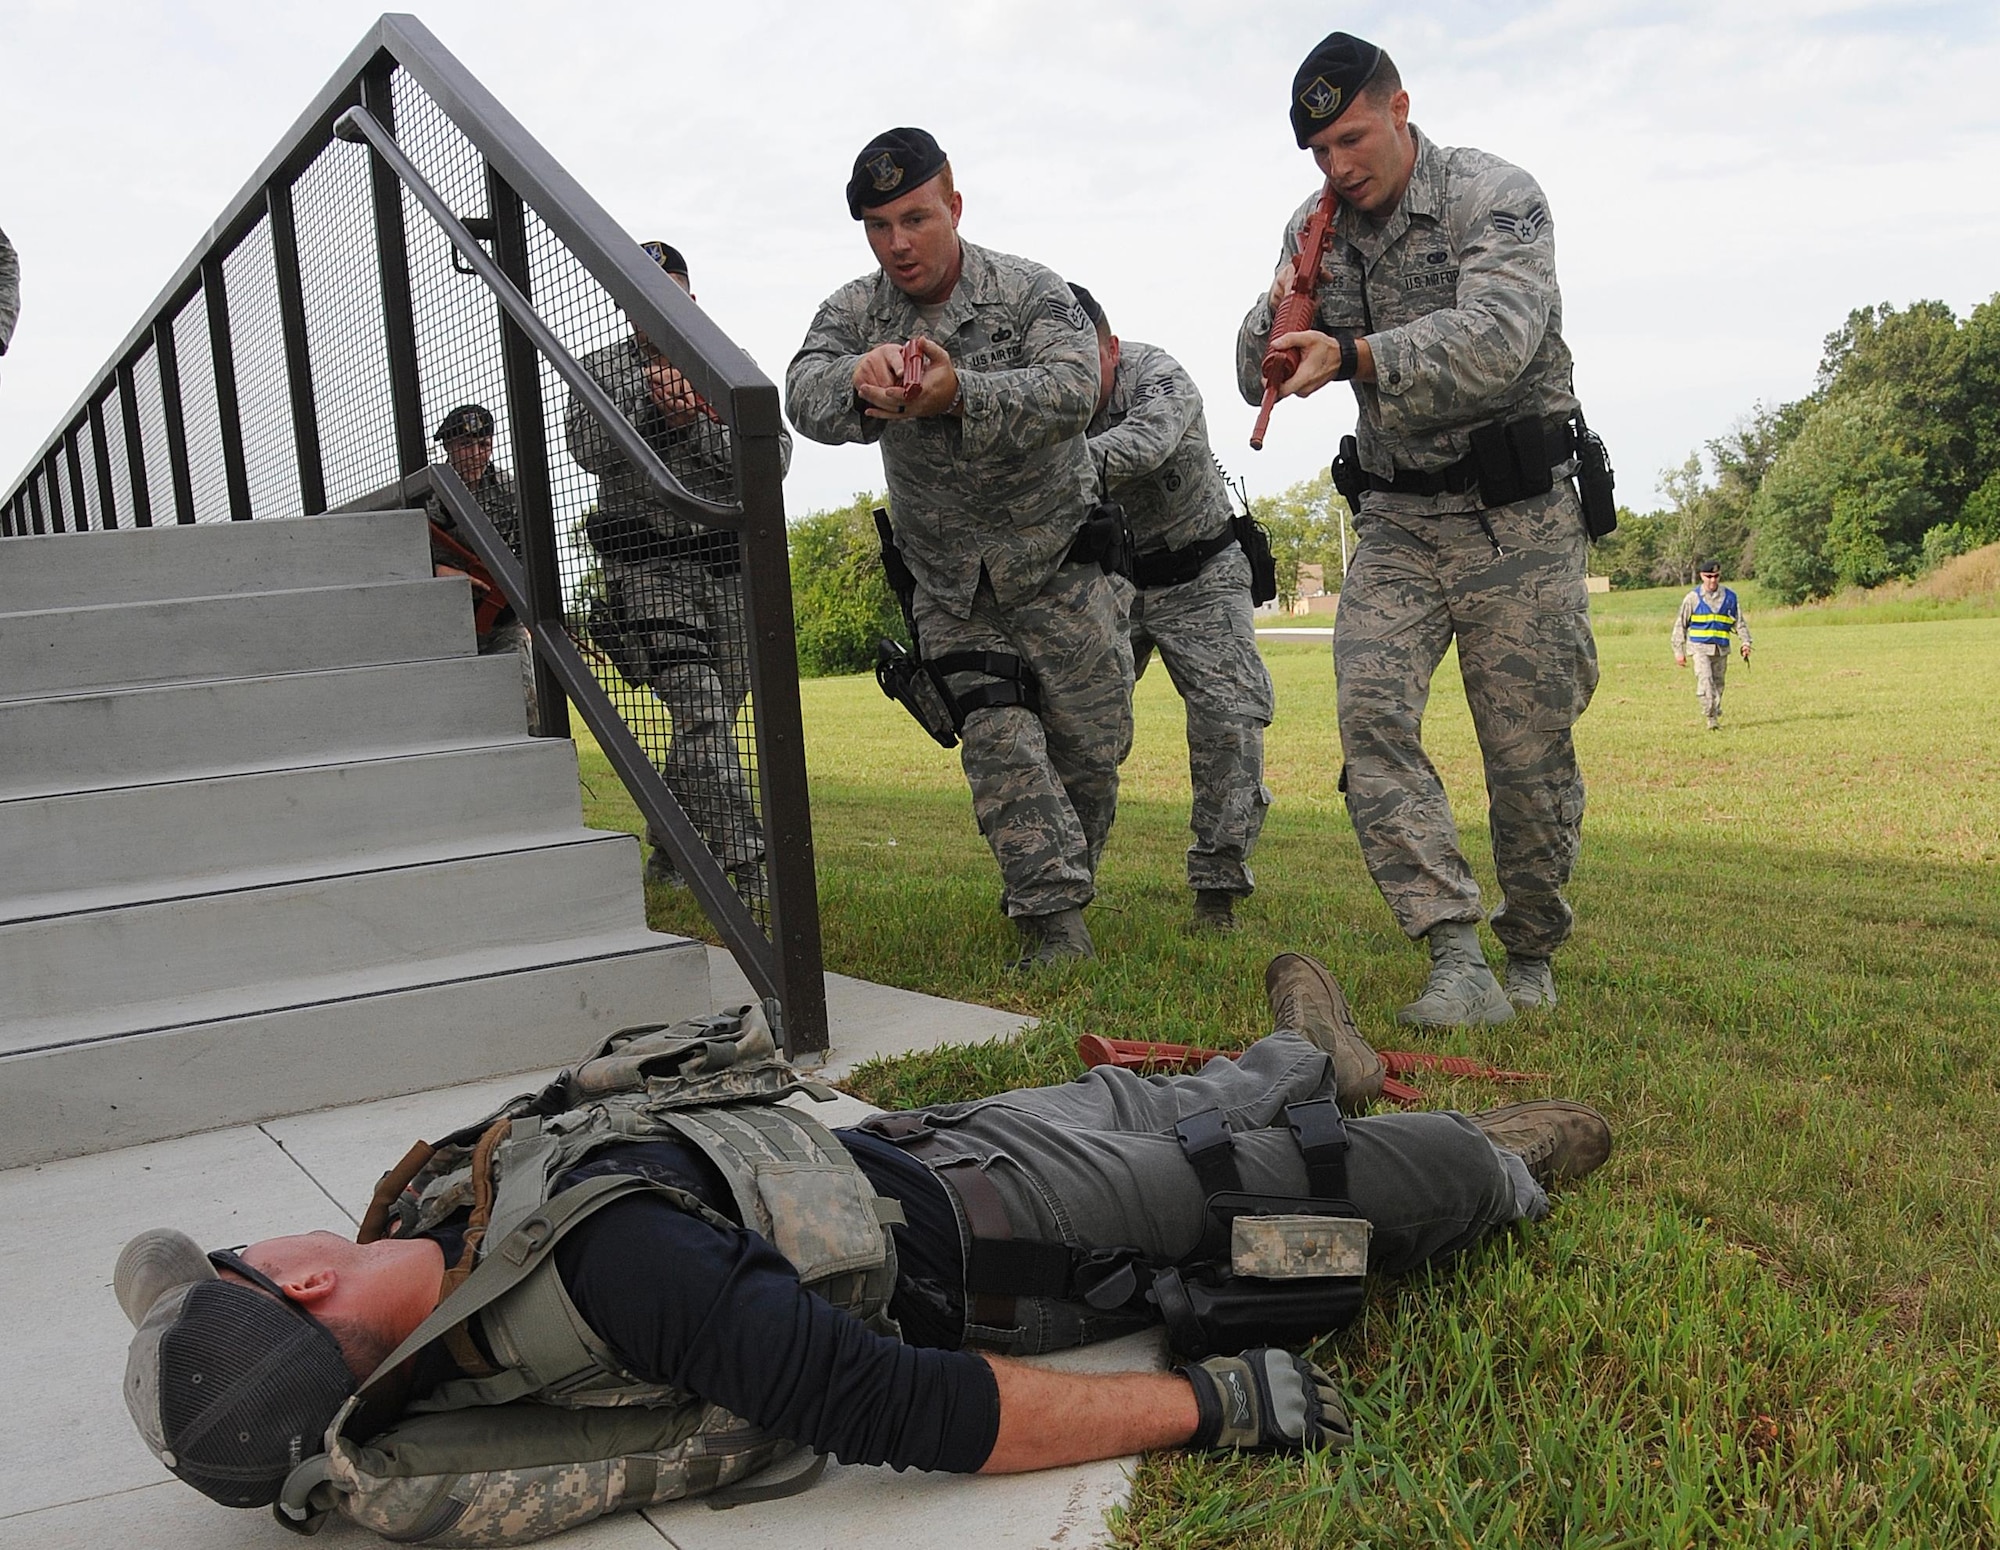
1095,1163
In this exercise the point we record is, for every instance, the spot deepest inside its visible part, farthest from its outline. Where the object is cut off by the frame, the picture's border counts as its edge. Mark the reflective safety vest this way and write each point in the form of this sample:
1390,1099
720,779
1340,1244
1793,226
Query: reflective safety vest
1713,628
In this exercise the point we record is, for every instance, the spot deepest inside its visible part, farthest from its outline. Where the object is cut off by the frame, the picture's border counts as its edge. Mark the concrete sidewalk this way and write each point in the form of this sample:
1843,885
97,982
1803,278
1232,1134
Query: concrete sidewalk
74,1475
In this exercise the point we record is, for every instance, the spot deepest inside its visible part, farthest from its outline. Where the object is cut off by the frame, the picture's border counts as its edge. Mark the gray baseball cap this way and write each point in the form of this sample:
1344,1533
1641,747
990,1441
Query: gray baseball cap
231,1386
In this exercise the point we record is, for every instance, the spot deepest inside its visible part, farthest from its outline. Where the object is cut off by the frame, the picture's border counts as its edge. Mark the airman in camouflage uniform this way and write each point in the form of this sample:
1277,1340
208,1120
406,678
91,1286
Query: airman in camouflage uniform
1149,440
673,589
1438,297
989,483
10,290
466,434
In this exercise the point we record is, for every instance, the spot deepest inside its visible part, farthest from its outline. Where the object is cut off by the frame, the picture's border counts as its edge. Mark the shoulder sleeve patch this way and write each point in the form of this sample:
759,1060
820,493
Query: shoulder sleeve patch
1159,387
1070,312
1525,227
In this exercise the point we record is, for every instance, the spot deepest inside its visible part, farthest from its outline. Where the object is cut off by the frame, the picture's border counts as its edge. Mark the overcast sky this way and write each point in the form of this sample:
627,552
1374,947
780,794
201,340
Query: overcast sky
1728,177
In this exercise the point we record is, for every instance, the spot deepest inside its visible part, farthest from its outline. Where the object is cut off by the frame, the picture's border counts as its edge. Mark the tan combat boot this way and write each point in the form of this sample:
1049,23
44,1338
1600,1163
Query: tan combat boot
1559,1141
1460,991
1307,999
1530,982
1053,938
1214,910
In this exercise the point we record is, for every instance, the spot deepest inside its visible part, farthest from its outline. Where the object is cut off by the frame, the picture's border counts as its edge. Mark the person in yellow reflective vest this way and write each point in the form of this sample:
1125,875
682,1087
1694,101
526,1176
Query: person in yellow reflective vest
1711,621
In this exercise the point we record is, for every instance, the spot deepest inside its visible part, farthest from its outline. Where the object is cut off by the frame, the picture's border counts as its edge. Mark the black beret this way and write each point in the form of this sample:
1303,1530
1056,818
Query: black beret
466,420
1329,81
890,165
667,256
1089,304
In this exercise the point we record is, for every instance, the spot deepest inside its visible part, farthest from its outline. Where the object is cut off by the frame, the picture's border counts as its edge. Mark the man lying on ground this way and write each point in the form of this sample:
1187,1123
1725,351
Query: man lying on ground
732,1268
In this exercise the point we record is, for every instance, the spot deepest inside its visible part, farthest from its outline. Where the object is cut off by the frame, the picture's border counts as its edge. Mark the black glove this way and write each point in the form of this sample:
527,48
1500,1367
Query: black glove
1266,1398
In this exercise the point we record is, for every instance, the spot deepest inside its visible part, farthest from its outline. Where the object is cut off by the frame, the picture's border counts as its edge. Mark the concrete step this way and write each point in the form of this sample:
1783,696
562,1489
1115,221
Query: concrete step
63,570
239,635
131,844
124,737
111,972
90,1097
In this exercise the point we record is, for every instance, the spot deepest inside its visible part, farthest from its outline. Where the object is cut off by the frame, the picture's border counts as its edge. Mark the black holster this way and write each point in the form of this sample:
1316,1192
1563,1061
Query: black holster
1348,478
917,683
1105,537
1594,482
1208,1310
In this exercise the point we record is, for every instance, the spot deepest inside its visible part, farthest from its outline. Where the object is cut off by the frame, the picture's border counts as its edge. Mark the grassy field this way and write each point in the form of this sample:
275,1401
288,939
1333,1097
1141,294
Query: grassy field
1774,1318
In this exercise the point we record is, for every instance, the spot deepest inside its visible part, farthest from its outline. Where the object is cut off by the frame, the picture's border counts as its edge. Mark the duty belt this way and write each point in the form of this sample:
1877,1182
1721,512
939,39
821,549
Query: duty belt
1173,567
1557,444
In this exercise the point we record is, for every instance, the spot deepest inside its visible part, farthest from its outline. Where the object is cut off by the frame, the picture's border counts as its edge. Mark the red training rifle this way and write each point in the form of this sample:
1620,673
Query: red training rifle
1295,312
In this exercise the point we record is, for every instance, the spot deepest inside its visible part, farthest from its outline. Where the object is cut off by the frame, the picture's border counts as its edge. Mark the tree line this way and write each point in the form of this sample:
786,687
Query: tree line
842,604
1888,467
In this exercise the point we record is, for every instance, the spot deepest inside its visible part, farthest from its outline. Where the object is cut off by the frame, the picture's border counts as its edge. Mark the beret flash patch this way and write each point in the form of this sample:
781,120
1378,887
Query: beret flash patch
1320,99
884,173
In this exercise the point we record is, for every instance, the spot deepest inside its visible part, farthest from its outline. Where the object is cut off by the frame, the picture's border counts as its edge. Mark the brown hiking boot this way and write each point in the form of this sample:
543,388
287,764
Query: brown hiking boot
1306,998
1560,1142
1053,938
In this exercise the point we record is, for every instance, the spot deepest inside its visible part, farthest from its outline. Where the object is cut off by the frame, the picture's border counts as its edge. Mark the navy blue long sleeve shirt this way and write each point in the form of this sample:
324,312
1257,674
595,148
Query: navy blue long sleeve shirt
720,1312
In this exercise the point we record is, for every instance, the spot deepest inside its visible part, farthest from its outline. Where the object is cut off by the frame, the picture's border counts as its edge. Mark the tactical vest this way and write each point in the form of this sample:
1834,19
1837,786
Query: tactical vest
554,1432
1713,628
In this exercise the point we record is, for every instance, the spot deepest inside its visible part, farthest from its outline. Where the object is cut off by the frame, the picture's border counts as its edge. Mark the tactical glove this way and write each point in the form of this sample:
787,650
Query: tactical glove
1266,1399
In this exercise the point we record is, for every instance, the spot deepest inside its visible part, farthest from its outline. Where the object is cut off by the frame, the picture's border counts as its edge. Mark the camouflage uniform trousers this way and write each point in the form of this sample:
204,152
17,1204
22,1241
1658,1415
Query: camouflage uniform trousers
690,625
1710,668
1206,633
1522,622
1094,1163
513,636
1044,788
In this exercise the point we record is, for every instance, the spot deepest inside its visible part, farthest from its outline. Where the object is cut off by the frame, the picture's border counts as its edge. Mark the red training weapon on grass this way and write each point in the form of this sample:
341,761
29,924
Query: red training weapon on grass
1295,312
1145,1056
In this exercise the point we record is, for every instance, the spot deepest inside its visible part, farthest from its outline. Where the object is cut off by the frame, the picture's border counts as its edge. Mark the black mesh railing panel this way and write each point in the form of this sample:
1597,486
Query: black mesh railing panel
343,304
456,322
204,433
656,597
153,436
114,446
271,464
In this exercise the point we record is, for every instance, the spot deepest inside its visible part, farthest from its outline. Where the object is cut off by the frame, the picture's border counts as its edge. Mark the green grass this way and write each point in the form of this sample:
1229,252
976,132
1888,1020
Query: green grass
1774,1317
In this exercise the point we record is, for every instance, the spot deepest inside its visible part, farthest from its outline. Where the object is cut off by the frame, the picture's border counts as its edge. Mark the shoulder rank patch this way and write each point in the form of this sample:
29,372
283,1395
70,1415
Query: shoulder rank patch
1321,100
1070,312
1159,387
1523,228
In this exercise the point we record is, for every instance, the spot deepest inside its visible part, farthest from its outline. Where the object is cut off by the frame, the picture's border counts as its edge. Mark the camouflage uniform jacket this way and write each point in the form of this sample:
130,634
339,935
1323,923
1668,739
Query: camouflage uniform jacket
10,291
1456,293
698,454
1709,600
497,497
1003,489
1150,441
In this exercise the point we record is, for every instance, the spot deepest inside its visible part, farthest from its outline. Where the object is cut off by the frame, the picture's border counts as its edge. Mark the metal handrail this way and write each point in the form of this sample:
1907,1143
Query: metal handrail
358,125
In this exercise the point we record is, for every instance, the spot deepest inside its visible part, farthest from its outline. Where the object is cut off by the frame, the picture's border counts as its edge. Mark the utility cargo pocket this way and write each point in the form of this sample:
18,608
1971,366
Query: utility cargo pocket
1566,658
823,1219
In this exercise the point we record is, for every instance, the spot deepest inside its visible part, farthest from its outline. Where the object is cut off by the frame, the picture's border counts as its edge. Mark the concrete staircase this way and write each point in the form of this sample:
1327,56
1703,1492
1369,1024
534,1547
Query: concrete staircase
272,838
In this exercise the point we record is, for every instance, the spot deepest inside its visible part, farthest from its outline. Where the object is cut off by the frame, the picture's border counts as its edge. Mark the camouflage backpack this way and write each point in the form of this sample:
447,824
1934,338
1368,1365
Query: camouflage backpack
554,1432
